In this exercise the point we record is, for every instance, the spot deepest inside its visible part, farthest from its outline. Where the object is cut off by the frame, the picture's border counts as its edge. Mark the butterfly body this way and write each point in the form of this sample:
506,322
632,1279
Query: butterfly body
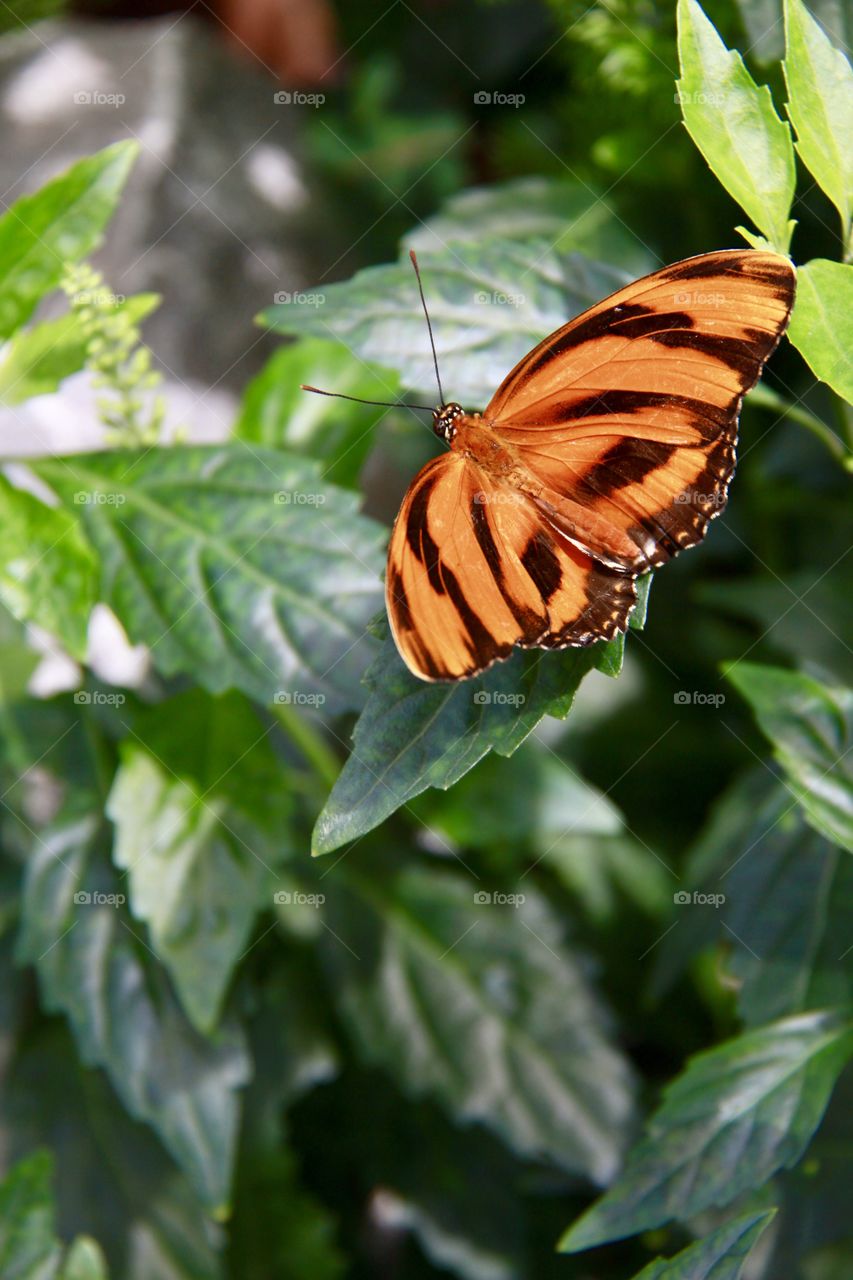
606,451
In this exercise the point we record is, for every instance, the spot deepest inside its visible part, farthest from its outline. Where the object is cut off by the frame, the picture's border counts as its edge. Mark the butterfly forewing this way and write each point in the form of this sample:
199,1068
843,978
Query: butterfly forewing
602,454
627,416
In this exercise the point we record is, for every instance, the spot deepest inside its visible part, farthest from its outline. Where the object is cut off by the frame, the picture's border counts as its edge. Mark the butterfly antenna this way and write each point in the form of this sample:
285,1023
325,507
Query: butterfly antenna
429,325
383,404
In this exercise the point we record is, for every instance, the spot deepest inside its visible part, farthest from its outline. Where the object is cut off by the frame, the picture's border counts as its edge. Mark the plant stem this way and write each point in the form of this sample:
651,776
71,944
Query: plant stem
764,398
309,742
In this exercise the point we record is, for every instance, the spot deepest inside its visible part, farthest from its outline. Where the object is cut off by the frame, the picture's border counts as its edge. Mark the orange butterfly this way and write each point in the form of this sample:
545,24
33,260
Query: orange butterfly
605,452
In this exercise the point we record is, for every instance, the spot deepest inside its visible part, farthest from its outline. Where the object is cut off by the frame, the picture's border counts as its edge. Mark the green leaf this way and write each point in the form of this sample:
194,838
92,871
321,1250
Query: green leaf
37,359
201,822
734,124
737,1114
820,106
235,565
821,325
113,1178
85,1261
489,304
811,728
413,735
787,916
48,574
720,1256
483,1007
28,1248
277,413
61,223
122,1011
569,214
785,919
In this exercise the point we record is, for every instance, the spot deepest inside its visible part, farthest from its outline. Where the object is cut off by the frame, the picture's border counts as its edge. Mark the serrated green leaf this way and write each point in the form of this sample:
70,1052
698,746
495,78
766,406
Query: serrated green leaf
277,413
413,735
112,1176
48,574
811,728
122,1011
60,223
720,1256
820,106
235,565
37,359
489,304
821,325
788,895
570,215
483,1007
201,822
734,124
736,1114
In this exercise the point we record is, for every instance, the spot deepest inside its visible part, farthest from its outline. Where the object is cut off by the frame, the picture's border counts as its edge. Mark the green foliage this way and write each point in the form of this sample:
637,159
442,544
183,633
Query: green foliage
563,895
811,729
720,1256
62,223
29,1249
736,127
738,1113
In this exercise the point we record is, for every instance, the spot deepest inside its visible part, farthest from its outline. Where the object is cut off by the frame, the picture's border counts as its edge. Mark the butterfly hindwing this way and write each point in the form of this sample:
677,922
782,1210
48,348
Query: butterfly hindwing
474,569
626,417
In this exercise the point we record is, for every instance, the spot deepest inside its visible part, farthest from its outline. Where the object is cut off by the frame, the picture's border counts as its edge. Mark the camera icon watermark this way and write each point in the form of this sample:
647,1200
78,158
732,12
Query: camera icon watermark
97,698
98,98
295,898
296,98
484,699
298,498
98,498
692,498
83,898
698,298
294,698
485,898
684,898
296,298
497,298
699,98
696,698
497,98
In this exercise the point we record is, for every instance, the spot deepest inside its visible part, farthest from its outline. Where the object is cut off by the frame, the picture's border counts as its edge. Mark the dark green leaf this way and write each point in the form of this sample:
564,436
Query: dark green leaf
720,1256
571,215
276,413
201,823
788,893
124,1016
811,728
61,223
482,1006
735,125
413,735
737,1114
489,304
236,565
